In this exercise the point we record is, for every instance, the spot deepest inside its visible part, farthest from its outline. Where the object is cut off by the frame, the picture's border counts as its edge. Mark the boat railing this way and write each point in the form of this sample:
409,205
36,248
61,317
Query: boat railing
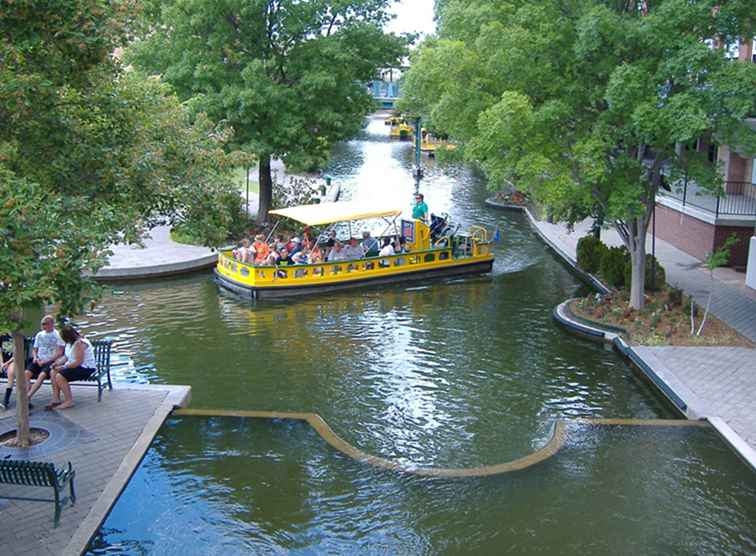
372,265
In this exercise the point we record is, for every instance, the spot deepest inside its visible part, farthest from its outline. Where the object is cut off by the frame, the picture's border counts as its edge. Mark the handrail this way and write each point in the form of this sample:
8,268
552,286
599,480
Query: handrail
346,261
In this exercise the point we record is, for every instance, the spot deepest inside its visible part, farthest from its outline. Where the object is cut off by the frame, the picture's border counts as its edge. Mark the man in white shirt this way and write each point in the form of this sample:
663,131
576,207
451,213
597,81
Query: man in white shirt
337,253
48,346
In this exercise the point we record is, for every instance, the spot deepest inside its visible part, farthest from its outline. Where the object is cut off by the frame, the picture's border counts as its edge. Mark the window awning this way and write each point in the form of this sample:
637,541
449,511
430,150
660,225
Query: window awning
328,213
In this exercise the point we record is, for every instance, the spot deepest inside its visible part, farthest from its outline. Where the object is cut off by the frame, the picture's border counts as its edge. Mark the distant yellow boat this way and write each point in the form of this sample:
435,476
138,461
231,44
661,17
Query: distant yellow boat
433,251
402,131
429,144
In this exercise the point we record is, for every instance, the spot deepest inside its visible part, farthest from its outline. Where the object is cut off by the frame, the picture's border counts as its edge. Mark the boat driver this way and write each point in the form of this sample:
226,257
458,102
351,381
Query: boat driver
420,210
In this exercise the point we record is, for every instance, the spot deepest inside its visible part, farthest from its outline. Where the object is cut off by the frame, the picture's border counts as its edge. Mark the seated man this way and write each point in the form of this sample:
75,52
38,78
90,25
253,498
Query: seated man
337,253
47,348
370,245
352,251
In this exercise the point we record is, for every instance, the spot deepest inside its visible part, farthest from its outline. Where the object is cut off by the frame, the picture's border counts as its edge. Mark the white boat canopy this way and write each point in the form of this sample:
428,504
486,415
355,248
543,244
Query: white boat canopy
329,213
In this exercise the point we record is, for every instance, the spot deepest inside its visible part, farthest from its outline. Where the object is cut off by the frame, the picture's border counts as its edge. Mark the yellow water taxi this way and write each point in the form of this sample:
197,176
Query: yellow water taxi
402,130
430,144
437,250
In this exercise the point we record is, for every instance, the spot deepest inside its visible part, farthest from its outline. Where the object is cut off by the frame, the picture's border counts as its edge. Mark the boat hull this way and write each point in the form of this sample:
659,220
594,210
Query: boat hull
276,292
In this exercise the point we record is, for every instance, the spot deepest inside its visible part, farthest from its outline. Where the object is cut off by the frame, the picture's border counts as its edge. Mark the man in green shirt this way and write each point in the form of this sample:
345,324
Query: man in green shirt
420,210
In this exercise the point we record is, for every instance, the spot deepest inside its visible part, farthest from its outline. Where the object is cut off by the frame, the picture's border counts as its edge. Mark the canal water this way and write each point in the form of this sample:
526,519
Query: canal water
455,373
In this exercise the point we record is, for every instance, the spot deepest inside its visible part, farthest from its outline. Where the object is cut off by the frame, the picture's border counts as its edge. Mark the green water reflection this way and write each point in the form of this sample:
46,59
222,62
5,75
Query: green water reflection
232,486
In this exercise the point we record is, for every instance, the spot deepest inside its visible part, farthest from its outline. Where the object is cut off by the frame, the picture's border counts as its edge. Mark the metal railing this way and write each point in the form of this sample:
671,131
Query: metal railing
739,199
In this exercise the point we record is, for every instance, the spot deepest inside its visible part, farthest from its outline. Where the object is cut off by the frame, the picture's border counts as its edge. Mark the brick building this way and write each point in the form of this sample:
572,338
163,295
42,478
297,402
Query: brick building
698,222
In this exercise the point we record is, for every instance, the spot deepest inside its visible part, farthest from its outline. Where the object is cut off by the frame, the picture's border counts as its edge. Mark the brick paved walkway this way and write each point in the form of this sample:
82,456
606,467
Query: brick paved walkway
720,381
105,443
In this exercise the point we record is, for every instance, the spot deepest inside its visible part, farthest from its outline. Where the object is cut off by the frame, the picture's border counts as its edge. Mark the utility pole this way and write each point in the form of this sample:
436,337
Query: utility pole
418,173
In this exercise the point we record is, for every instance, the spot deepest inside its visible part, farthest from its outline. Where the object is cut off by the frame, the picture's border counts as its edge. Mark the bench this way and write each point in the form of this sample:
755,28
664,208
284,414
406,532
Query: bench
102,372
39,474
101,375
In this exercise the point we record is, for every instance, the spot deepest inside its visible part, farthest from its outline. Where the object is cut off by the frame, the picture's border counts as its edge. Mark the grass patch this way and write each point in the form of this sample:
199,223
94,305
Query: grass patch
180,236
663,320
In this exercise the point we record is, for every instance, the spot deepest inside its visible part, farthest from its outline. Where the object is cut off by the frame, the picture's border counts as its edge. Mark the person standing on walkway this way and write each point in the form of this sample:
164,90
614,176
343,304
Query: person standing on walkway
420,210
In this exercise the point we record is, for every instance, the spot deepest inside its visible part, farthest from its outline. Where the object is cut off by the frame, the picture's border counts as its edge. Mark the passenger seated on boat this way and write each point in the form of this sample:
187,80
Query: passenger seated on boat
370,245
245,253
283,258
279,243
402,243
261,249
331,241
336,253
387,250
295,246
352,251
300,257
316,255
307,239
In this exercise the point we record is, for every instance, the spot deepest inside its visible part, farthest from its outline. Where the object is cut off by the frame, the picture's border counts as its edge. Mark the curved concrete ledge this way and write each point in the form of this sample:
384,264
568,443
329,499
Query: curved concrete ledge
593,331
158,270
491,202
551,447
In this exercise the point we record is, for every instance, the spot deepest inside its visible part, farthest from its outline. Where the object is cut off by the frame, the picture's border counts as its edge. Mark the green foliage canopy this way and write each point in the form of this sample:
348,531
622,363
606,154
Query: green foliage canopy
287,75
583,103
89,154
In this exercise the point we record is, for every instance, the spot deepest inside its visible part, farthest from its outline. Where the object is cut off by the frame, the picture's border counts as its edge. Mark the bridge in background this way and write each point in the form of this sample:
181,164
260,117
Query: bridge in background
386,87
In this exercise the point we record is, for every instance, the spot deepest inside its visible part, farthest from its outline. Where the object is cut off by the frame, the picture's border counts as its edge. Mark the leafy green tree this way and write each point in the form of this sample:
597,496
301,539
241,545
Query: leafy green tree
287,75
89,155
583,103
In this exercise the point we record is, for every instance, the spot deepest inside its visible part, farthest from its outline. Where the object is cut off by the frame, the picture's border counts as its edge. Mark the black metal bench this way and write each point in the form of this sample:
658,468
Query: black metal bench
39,474
102,372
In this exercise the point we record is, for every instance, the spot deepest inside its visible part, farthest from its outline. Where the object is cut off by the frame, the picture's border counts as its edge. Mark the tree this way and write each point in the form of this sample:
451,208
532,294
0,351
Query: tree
583,103
89,155
287,75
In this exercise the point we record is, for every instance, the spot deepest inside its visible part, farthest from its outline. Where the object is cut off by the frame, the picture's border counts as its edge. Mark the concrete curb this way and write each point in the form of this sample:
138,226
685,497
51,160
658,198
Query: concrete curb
157,271
678,394
585,276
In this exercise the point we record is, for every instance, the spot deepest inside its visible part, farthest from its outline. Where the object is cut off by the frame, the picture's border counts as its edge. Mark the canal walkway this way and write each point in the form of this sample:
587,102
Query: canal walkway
159,256
104,441
717,383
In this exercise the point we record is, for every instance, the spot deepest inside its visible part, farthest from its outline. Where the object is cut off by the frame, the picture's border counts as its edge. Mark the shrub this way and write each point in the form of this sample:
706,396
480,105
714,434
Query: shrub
589,253
675,297
612,266
660,274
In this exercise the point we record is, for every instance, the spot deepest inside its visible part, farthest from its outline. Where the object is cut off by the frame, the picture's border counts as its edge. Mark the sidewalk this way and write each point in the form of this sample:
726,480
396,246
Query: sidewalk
160,256
105,441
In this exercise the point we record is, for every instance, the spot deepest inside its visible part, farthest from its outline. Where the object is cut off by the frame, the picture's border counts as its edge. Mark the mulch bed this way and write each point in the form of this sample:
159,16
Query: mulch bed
660,322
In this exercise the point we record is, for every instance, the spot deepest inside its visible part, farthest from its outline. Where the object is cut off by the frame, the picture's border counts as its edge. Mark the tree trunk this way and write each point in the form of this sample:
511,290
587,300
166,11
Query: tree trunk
638,276
633,234
22,398
266,189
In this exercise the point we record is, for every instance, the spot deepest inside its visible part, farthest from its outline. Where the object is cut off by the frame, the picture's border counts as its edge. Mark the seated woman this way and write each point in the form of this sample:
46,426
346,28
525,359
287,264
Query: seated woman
245,254
78,363
316,255
261,249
